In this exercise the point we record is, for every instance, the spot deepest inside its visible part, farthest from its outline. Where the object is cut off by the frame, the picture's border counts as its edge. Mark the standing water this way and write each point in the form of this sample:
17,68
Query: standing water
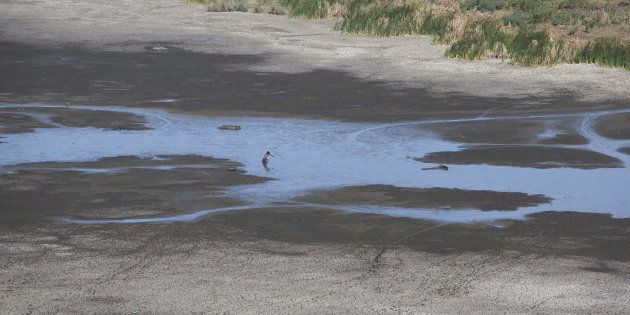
320,154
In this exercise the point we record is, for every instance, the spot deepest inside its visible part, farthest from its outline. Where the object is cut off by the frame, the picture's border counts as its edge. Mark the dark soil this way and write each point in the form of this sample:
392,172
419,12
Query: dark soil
432,198
19,123
71,117
46,190
217,84
614,126
524,156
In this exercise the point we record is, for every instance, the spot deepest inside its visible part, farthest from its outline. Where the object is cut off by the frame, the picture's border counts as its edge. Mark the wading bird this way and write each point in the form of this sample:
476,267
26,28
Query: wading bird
265,158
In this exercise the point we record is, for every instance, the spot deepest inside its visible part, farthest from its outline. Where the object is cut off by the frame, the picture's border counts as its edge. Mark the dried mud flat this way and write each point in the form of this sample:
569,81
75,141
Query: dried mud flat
310,260
285,257
118,187
287,46
288,257
217,84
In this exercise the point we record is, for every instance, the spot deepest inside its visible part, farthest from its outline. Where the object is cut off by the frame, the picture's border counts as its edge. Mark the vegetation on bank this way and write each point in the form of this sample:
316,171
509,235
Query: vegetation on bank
526,32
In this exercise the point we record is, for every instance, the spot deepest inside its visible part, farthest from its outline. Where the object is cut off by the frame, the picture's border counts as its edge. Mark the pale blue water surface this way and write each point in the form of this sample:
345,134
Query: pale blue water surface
319,154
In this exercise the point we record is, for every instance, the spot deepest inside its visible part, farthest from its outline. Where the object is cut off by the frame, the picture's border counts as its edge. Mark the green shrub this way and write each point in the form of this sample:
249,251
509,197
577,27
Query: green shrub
523,43
606,52
226,5
241,7
468,4
484,5
480,38
436,25
491,5
589,24
311,9
576,4
535,47
383,20
277,10
516,18
540,11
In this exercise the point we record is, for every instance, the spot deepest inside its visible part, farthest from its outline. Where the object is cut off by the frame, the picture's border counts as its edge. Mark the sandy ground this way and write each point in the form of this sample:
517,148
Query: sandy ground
297,46
294,46
174,56
317,261
286,259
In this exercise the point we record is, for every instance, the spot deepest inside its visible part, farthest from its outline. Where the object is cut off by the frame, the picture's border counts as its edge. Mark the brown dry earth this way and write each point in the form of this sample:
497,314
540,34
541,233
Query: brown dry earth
310,260
286,259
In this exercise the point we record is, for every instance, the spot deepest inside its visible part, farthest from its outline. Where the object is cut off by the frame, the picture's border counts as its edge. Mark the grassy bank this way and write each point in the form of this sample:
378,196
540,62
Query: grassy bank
525,32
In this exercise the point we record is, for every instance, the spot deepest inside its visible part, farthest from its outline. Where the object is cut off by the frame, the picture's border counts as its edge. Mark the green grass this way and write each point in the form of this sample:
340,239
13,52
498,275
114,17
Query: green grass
540,11
480,39
516,18
229,5
255,6
531,47
528,47
521,33
576,4
437,25
310,9
382,20
484,5
605,52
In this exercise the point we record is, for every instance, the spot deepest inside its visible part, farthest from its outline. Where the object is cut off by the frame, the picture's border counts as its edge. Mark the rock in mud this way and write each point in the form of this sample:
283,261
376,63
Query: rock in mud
230,127
440,167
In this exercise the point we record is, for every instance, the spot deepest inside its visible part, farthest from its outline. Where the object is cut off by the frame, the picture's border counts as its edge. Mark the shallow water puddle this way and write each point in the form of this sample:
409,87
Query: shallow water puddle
319,154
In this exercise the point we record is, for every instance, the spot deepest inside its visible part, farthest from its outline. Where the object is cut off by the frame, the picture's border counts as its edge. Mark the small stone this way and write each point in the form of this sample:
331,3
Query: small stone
230,127
440,167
